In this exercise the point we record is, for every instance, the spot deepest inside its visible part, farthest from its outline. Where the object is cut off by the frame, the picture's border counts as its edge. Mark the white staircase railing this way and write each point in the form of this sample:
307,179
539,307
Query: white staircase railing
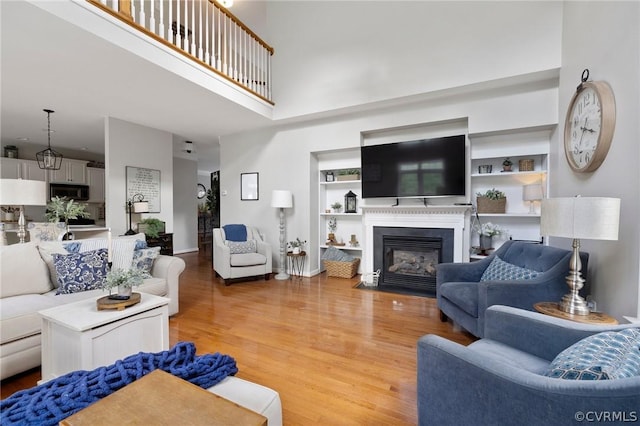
205,32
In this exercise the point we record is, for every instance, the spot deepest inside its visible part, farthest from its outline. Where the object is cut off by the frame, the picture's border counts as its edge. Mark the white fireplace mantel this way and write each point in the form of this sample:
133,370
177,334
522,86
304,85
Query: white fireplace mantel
445,216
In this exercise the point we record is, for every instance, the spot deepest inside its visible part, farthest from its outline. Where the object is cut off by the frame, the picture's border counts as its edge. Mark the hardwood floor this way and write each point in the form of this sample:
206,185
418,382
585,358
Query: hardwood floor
336,354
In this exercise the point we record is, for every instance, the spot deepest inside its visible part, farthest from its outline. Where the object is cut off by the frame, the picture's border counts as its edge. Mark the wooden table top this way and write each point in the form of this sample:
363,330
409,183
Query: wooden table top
551,308
160,398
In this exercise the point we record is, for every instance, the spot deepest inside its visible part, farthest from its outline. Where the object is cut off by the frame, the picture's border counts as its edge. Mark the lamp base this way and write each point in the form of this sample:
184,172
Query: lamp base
281,276
130,232
573,305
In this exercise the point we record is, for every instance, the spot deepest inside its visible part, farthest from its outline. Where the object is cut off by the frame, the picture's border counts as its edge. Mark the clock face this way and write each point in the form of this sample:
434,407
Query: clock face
202,191
586,124
589,126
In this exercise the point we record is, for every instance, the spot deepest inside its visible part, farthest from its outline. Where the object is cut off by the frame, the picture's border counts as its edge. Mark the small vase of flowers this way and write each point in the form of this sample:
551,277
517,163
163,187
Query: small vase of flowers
486,232
296,245
124,280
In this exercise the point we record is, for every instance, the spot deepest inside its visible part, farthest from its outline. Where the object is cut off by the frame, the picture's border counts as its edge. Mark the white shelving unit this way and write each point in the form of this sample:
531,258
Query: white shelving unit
330,192
491,148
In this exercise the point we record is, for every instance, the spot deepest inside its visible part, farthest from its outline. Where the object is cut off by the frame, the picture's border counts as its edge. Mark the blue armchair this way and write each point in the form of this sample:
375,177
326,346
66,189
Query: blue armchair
464,298
499,379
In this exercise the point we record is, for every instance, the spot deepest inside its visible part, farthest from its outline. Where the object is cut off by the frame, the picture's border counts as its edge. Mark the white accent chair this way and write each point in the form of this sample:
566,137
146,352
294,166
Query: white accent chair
231,266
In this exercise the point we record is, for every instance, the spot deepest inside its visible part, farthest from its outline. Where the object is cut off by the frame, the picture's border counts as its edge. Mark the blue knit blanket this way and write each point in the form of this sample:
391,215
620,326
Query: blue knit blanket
59,398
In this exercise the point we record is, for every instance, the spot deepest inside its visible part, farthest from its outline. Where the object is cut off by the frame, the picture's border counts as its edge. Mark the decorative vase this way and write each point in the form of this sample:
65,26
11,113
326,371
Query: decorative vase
332,237
124,290
296,250
485,242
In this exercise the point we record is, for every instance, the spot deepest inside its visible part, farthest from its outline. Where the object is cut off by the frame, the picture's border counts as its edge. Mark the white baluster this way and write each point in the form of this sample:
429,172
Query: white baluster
206,34
161,23
219,50
169,27
141,16
193,28
152,18
225,58
178,34
200,30
185,37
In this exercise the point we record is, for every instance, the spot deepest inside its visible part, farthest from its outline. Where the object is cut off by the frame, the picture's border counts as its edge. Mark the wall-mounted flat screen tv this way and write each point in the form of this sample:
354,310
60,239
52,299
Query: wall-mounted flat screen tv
420,168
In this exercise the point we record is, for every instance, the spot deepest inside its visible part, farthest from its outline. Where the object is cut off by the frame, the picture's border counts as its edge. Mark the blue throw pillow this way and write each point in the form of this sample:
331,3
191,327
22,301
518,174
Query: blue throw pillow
499,270
71,247
80,271
143,260
141,244
603,356
235,232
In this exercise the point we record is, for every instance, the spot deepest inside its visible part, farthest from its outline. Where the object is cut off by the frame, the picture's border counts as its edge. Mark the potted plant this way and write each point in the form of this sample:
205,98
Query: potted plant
491,201
333,225
506,164
62,209
151,227
336,207
124,280
296,245
349,174
486,232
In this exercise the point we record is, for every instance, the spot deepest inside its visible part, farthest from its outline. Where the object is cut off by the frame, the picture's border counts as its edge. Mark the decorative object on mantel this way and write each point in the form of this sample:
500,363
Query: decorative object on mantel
532,193
594,218
282,199
63,208
48,158
349,174
136,204
491,201
506,165
350,202
485,168
22,192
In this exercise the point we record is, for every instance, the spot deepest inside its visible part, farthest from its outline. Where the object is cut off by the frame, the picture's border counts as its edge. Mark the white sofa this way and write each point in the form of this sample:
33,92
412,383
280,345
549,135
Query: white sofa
26,288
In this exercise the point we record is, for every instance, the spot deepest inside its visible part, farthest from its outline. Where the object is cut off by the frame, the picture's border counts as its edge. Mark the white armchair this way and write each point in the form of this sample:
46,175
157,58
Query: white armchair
233,259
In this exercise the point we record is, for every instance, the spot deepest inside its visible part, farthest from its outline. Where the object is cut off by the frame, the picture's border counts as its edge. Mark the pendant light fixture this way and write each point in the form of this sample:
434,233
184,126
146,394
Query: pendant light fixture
49,159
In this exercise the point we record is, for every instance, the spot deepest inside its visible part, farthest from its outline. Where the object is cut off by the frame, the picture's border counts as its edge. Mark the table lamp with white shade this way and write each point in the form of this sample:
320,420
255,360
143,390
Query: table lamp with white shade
532,193
282,199
593,218
22,192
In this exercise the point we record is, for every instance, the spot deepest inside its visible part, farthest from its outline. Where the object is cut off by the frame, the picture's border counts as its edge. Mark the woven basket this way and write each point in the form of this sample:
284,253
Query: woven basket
487,205
525,165
340,269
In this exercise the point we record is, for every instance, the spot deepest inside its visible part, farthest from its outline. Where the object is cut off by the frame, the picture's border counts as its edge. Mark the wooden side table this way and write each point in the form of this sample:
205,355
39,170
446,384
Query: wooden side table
296,263
552,308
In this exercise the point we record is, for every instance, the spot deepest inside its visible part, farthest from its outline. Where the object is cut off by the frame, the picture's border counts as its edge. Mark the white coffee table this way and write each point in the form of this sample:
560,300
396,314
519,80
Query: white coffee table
77,336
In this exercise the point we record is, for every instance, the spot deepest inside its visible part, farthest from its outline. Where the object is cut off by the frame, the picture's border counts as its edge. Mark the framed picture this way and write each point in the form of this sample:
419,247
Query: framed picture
249,190
146,183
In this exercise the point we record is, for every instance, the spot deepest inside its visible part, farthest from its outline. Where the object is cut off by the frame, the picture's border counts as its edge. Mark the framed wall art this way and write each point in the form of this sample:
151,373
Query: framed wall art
145,182
249,187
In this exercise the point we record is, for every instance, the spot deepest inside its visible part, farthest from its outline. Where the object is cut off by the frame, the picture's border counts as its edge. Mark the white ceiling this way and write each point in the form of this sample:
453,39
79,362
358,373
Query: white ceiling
49,63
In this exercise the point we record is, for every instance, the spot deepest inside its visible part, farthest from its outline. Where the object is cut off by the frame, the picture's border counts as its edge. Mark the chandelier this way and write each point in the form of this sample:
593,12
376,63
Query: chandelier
49,159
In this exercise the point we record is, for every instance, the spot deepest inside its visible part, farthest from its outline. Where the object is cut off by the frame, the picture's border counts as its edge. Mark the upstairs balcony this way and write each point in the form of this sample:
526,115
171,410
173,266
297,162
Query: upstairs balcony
204,32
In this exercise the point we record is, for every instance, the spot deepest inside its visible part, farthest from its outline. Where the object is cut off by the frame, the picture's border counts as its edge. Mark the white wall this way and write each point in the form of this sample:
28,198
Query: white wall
185,206
335,54
129,144
283,155
605,37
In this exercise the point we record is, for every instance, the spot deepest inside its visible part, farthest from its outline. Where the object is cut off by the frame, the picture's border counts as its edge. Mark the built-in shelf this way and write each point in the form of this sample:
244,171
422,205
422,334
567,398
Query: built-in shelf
341,214
341,182
508,174
345,247
533,216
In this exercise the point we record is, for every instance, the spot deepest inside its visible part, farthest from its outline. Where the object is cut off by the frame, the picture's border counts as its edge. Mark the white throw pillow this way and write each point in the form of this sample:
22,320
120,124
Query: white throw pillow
22,271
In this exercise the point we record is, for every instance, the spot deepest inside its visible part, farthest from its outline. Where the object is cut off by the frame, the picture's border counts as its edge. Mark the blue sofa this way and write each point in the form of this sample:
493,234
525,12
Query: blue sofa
464,298
498,380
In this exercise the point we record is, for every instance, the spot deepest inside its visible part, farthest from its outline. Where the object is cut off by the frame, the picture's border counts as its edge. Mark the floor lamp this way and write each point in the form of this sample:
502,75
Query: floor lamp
593,218
22,192
282,199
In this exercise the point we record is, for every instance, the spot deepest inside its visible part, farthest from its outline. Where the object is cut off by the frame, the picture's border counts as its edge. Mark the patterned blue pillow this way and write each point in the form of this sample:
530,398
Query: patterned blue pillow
80,271
143,260
242,247
71,247
603,356
141,244
499,270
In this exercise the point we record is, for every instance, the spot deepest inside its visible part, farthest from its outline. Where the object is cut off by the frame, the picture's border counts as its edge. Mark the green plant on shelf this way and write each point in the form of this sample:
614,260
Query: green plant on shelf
492,194
153,227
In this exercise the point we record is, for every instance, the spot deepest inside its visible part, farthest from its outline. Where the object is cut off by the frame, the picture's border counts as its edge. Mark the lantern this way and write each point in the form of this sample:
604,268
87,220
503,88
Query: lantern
350,202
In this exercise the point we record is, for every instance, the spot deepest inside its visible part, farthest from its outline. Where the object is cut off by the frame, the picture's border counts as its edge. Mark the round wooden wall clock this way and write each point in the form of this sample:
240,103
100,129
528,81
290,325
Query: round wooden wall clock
589,125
